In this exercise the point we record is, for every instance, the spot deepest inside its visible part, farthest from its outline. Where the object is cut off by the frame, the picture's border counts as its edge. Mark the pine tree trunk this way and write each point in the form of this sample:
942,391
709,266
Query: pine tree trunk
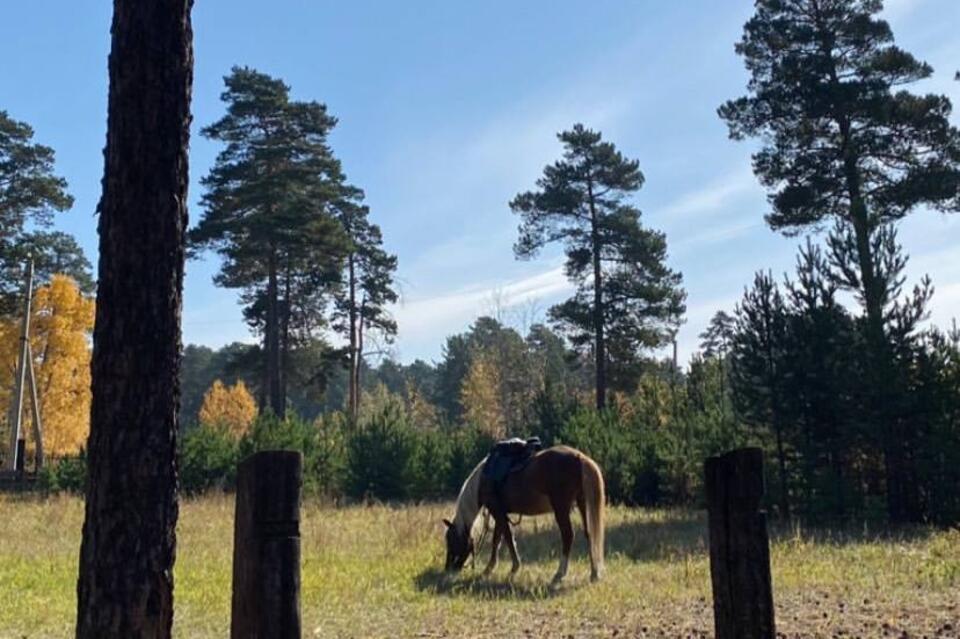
284,369
271,335
878,357
600,351
354,390
359,369
125,585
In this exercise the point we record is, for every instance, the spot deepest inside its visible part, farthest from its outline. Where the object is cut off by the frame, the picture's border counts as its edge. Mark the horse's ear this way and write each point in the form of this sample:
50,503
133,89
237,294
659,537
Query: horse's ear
448,523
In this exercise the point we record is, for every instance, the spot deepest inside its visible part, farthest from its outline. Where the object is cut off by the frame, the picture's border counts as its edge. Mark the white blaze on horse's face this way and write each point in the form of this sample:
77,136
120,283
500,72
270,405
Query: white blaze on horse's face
459,547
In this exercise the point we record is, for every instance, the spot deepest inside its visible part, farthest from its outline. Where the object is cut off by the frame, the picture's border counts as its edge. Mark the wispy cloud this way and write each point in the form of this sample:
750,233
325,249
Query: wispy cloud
432,318
711,197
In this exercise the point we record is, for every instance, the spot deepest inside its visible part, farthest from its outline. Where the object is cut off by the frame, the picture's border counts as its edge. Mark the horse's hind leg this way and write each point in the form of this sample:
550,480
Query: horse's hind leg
494,548
582,507
562,515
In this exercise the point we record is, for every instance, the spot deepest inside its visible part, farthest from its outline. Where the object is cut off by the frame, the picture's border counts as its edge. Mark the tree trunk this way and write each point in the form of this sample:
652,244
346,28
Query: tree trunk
284,369
878,358
354,390
125,585
600,350
359,369
271,336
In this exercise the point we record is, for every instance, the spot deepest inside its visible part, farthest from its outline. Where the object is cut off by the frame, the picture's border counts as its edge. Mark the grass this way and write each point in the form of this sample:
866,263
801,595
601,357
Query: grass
375,572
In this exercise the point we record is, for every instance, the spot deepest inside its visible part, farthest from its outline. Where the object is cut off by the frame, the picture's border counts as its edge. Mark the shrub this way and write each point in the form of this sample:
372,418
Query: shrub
208,459
65,474
380,456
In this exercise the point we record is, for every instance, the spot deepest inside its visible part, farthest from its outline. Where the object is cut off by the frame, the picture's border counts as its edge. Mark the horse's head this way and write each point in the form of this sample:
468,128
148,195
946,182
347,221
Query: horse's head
459,546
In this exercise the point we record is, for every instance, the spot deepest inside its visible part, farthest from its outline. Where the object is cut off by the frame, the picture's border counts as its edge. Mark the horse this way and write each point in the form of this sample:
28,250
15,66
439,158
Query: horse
552,480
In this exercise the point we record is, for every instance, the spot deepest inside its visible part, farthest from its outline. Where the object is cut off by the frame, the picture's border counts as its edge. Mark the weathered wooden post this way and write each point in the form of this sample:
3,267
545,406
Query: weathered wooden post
266,547
739,546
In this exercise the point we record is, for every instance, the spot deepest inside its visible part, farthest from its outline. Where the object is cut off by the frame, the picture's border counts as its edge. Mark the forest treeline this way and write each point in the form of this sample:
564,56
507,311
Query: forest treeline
833,369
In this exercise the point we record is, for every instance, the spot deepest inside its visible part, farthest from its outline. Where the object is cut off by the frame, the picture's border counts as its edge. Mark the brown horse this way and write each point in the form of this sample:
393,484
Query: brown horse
553,480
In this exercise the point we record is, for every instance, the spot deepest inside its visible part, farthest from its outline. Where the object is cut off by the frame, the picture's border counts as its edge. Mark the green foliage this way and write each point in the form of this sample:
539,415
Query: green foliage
626,299
30,193
380,457
844,141
612,444
208,459
66,474
266,212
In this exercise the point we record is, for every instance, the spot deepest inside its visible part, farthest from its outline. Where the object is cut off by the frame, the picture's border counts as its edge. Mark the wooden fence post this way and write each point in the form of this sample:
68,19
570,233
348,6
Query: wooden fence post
266,547
739,546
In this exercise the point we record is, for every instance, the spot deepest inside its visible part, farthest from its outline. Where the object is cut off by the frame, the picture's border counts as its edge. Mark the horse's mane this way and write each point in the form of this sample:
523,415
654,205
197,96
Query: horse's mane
468,502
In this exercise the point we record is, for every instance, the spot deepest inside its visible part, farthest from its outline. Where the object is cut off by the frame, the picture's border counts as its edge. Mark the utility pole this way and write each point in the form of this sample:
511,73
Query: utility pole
25,375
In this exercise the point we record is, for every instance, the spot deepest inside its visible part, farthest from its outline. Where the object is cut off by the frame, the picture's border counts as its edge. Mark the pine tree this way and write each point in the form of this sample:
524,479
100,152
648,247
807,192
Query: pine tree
758,373
627,299
125,585
30,193
267,213
842,140
821,374
366,291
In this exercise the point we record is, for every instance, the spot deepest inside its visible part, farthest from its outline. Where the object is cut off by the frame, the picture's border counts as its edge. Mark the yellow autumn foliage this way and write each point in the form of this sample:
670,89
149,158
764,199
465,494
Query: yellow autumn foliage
229,407
480,396
60,328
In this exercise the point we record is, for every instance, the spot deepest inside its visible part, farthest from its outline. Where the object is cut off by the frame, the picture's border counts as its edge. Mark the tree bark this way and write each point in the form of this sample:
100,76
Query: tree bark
354,390
125,585
286,313
271,336
600,350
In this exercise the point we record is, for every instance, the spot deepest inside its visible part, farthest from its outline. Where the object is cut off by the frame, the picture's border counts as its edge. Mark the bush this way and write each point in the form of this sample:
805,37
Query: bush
66,474
380,456
208,459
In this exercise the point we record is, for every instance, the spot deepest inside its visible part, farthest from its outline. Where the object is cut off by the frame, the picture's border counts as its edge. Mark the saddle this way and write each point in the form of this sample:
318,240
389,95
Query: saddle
508,456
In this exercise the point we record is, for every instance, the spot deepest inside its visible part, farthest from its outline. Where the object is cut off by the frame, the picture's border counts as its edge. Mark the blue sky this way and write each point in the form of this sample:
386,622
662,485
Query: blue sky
448,109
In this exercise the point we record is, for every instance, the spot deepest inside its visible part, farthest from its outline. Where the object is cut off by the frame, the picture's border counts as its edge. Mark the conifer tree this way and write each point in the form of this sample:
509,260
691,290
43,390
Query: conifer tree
627,298
30,194
361,300
757,370
267,213
844,140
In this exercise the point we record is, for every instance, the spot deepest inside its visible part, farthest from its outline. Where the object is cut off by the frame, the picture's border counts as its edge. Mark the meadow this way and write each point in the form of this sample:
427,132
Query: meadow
375,571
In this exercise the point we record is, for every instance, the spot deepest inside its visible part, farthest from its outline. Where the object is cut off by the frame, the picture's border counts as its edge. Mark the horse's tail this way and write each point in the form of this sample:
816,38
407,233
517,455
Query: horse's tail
594,500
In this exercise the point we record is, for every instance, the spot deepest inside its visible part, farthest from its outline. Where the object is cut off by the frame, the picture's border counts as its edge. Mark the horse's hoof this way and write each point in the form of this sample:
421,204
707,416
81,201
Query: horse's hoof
594,577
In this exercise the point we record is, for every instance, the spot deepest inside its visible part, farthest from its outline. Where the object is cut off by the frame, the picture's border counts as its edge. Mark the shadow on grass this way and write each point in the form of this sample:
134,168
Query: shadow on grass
637,536
474,585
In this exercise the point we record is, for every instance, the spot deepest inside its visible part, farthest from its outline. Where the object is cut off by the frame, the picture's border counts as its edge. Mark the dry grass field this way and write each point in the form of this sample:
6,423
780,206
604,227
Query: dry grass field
375,572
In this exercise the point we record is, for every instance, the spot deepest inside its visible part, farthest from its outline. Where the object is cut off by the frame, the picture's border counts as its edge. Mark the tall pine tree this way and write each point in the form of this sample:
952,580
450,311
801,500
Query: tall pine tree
30,193
267,213
627,299
366,289
842,139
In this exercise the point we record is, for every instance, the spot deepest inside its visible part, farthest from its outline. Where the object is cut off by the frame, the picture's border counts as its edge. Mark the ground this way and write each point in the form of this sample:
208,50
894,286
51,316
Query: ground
375,572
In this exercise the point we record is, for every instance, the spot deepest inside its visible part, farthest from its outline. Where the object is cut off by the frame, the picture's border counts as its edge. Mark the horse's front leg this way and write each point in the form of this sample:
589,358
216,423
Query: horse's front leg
512,545
562,516
494,548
